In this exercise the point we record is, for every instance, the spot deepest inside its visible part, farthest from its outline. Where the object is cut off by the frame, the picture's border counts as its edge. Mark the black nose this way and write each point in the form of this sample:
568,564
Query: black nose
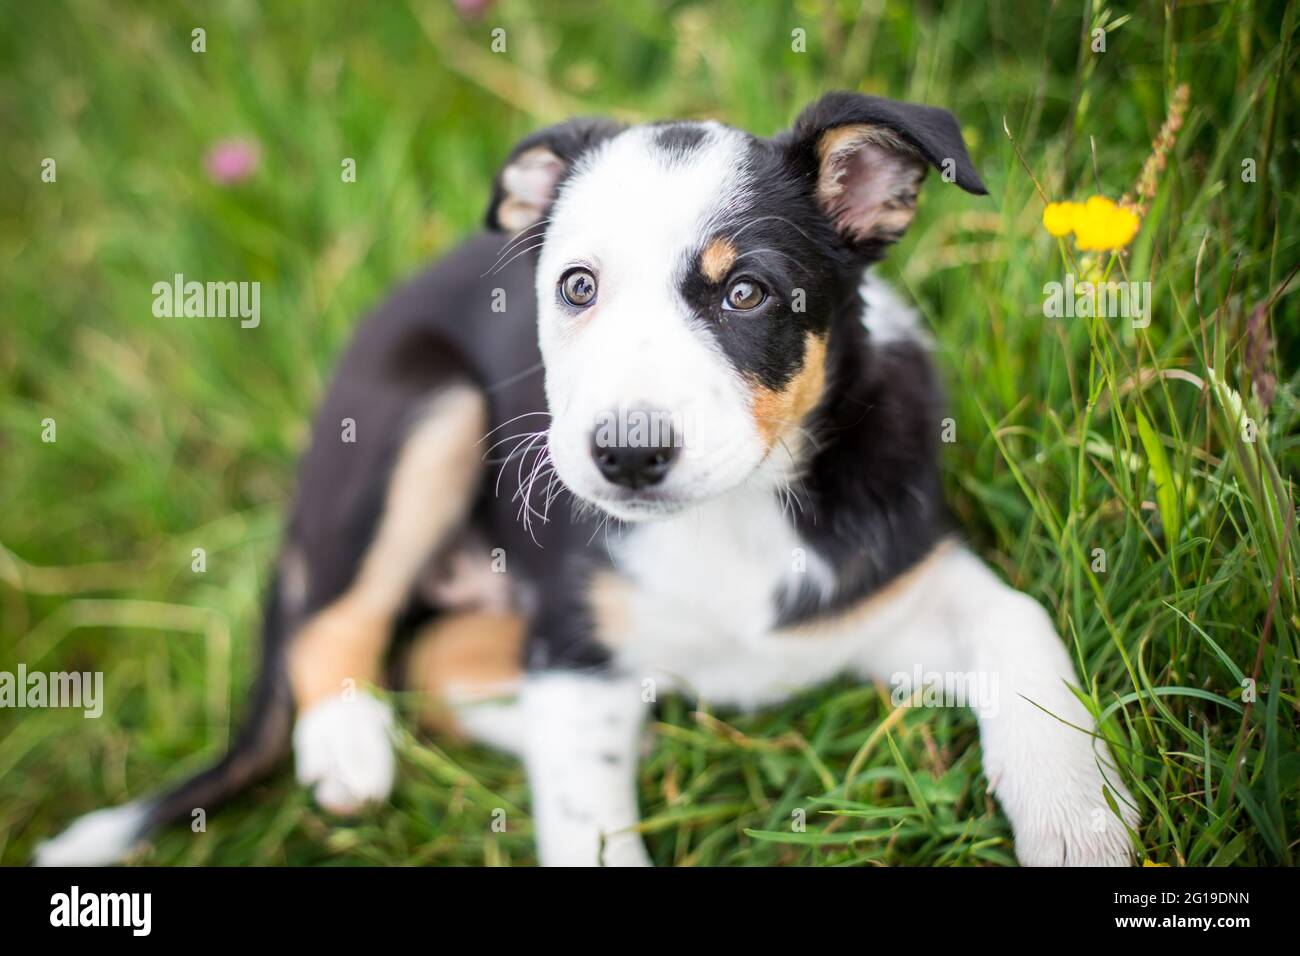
635,462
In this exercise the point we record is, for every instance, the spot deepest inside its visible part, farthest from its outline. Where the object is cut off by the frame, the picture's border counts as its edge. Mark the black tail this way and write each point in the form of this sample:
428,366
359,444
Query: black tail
263,739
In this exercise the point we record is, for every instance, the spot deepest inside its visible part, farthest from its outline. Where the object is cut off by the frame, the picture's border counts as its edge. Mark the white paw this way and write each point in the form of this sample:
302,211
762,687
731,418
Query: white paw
97,839
626,849
1076,829
581,846
343,751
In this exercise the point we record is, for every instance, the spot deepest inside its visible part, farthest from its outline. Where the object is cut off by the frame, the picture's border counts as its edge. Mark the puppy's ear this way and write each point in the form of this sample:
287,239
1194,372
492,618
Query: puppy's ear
526,186
866,158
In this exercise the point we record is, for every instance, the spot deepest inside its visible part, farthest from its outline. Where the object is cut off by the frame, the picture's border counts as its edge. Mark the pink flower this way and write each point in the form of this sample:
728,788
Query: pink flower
473,9
231,161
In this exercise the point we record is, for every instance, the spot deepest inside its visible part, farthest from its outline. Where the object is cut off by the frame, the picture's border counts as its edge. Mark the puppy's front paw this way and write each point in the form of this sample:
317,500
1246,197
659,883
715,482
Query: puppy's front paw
584,847
343,751
626,849
1074,829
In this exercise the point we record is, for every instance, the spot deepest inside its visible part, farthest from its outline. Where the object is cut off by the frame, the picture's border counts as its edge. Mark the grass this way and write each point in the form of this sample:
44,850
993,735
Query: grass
1071,435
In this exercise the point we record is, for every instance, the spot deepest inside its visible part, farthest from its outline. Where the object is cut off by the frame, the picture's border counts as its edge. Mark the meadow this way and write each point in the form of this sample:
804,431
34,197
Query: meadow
1136,477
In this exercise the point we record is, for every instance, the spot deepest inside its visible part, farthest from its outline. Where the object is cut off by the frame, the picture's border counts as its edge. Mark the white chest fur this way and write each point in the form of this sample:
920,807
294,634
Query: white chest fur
704,611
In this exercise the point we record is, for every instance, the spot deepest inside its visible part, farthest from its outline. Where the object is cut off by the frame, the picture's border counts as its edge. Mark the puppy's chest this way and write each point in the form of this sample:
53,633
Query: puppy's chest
702,605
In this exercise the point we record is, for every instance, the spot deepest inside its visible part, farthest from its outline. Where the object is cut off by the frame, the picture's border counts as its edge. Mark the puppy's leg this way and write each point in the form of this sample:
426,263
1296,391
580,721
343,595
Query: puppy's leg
468,667
583,732
1048,776
342,740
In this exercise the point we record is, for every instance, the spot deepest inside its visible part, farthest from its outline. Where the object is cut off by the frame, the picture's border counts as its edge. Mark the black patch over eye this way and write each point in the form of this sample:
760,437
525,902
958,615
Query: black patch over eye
578,288
744,295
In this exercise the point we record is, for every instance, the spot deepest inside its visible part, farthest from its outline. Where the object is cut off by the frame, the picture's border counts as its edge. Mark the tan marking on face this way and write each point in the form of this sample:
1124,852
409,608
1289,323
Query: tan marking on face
778,411
610,598
717,258
463,659
429,493
874,603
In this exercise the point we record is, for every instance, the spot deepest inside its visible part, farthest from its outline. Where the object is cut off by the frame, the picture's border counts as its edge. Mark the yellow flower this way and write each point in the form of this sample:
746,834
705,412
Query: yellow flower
1058,217
1105,225
1098,225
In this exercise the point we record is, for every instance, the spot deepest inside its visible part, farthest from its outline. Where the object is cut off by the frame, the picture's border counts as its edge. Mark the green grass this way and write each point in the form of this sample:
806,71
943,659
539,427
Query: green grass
175,434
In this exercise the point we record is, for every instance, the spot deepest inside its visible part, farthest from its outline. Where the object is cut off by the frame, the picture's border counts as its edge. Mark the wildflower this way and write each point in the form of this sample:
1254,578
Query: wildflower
472,9
1105,225
1098,225
1058,217
232,160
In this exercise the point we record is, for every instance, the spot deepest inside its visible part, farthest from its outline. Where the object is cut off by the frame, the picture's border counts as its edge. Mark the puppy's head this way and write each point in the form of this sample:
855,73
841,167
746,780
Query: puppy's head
688,277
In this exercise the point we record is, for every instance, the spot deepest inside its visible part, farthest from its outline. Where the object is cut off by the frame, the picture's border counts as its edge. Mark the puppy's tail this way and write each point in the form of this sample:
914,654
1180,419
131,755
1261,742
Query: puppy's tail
107,836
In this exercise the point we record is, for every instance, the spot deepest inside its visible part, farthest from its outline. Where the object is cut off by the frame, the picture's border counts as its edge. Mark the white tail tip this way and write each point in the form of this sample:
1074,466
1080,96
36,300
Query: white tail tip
97,839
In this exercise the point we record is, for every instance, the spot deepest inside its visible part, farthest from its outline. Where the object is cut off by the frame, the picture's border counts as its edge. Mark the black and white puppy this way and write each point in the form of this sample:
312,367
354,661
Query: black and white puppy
683,340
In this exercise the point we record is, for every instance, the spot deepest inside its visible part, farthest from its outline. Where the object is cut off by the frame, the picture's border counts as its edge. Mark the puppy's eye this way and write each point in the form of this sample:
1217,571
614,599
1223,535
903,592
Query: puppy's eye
744,295
578,287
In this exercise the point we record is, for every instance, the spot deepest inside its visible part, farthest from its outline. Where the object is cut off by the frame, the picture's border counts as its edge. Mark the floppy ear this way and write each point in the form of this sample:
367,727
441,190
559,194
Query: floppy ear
526,186
867,156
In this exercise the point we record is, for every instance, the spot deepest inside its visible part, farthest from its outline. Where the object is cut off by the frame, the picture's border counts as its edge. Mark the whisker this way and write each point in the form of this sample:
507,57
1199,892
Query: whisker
552,495
522,252
754,222
526,439
510,422
604,519
519,474
538,463
541,474
795,260
789,489
538,471
511,438
608,523
522,236
812,439
510,380
525,491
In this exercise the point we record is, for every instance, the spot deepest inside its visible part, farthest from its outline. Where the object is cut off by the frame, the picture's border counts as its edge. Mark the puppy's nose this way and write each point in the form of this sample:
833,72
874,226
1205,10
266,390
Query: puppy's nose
634,458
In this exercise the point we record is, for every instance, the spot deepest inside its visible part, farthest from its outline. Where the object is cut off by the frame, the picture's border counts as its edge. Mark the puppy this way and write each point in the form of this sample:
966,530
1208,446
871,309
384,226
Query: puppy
671,437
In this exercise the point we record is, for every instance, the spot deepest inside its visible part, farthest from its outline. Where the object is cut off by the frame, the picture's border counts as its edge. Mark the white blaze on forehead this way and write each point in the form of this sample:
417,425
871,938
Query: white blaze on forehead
638,206
636,212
